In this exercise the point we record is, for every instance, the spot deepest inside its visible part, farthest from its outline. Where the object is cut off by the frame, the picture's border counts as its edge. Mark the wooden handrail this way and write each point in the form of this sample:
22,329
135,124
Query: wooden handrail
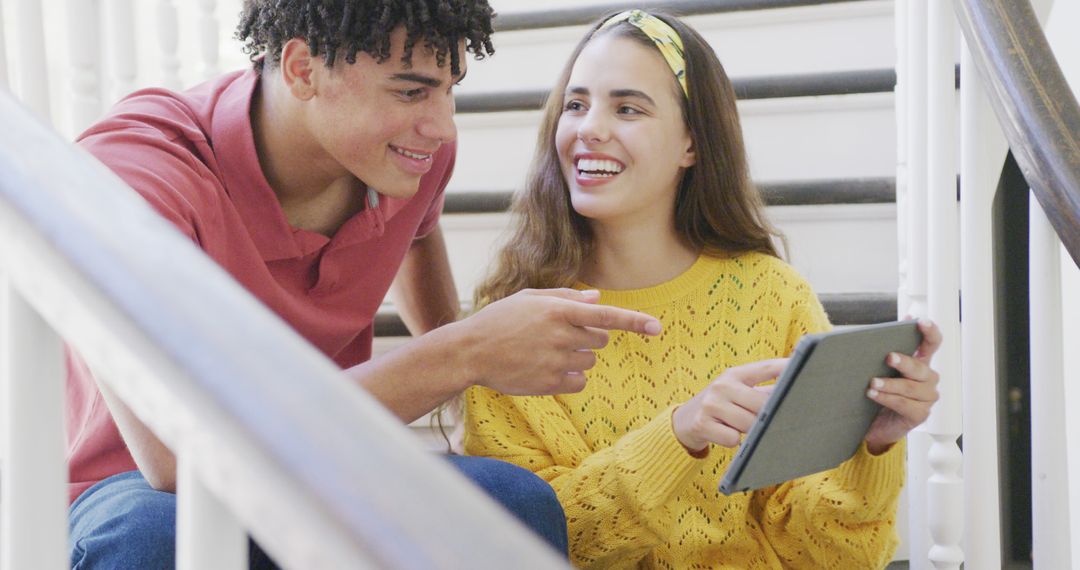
309,463
1033,102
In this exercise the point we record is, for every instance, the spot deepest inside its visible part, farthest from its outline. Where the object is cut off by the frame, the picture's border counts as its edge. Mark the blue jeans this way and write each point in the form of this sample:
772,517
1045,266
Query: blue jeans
123,523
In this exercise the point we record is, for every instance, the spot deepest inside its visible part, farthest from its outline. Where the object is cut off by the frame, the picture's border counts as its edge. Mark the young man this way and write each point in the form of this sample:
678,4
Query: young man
317,180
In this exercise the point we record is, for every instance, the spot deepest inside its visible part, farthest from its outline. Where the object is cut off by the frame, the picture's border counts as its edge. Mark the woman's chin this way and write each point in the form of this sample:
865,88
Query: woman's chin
589,207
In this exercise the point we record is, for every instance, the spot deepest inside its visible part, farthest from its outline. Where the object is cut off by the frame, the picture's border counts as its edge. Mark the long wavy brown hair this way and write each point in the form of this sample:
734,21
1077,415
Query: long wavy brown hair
718,210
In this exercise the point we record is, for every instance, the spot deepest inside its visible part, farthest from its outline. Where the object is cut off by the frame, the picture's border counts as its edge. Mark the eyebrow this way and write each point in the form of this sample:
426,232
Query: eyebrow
616,93
425,79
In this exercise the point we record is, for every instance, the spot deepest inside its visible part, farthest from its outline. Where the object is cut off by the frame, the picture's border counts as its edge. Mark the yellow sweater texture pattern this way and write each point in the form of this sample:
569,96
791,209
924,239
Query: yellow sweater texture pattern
633,496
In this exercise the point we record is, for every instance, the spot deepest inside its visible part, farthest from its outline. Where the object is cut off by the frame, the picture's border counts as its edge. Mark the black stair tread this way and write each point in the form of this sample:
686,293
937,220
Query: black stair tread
788,193
764,87
581,15
843,309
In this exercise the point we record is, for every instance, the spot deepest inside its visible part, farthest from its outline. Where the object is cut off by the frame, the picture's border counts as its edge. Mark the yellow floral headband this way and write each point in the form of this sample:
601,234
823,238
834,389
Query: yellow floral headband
667,40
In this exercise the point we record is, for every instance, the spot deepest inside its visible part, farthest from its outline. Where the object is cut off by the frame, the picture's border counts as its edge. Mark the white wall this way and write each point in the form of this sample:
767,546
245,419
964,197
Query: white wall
1061,31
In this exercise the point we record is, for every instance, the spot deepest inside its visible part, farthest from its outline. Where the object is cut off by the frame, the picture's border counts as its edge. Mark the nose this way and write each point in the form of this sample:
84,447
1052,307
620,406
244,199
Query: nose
593,127
439,122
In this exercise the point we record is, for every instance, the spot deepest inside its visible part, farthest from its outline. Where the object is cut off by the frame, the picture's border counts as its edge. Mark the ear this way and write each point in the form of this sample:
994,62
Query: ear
689,156
297,69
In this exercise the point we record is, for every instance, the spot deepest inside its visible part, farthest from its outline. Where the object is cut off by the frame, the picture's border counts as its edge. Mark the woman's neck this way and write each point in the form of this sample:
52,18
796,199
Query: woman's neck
636,256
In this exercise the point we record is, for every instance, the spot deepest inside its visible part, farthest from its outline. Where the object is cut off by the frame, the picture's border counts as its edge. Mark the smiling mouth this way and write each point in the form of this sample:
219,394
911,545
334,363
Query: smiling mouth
598,168
411,154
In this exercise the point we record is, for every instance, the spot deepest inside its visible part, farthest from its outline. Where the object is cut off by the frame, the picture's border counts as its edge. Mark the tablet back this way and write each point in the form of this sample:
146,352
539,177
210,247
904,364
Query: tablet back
819,413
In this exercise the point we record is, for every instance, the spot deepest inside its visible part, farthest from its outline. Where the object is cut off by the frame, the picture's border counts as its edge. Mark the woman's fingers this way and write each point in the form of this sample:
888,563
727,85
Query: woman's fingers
912,368
914,412
931,340
907,388
719,433
736,416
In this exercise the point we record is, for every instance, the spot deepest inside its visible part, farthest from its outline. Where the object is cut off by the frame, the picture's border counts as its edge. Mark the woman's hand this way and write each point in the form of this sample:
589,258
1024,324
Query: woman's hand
727,407
907,400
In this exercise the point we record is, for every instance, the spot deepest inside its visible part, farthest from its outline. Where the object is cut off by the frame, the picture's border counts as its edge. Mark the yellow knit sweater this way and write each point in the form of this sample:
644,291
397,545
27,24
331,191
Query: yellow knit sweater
633,495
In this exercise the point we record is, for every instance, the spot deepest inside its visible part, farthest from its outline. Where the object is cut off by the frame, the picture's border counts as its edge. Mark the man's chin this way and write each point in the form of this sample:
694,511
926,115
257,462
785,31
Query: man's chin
402,190
401,193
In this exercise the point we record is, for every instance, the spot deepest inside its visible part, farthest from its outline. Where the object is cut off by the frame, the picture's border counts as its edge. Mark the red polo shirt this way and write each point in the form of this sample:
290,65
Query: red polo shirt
192,157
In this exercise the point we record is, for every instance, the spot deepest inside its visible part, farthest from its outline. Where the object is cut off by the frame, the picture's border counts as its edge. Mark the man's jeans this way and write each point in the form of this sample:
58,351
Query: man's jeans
123,523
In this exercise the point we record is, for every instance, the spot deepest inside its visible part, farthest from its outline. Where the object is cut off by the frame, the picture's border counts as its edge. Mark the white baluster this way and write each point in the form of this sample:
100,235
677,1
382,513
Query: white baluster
31,78
983,149
1049,457
915,283
84,49
209,48
120,31
207,533
168,33
900,103
903,301
33,520
944,493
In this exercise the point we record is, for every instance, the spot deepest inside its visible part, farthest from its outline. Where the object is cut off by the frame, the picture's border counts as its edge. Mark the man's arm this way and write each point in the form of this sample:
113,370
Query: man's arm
155,461
534,342
423,290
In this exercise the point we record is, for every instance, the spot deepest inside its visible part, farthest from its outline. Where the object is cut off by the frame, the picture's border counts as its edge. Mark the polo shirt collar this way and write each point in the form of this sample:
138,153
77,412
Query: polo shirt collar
234,146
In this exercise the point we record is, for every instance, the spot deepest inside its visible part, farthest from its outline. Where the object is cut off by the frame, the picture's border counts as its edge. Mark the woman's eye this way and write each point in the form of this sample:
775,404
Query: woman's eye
574,106
628,110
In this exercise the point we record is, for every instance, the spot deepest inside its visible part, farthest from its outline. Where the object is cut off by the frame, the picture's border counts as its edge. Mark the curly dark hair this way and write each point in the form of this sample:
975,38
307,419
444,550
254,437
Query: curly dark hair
335,28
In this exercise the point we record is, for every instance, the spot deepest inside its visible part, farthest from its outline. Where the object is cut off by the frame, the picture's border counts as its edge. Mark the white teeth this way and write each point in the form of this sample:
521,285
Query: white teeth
404,152
594,166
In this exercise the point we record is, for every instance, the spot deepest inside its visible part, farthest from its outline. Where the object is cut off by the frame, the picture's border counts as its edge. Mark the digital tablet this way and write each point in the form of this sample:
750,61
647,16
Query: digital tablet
818,414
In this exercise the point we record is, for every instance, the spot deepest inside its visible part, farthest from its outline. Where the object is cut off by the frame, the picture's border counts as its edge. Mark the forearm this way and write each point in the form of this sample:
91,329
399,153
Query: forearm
156,462
413,379
423,290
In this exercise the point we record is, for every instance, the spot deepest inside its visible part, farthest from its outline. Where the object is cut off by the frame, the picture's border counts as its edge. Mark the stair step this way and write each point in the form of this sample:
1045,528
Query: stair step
746,88
843,309
794,193
579,16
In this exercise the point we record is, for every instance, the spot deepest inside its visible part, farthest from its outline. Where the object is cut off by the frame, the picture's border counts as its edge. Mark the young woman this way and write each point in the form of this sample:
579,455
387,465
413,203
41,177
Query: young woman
640,189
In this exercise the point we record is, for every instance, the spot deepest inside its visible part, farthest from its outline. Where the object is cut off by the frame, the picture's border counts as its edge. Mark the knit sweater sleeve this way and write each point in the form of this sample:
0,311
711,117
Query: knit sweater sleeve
616,499
841,518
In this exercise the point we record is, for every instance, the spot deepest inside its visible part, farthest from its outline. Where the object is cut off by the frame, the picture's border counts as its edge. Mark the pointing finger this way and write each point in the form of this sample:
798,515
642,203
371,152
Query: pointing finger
611,318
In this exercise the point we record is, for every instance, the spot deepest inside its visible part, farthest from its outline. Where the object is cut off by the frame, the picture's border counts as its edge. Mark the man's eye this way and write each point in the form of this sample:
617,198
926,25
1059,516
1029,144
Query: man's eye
411,93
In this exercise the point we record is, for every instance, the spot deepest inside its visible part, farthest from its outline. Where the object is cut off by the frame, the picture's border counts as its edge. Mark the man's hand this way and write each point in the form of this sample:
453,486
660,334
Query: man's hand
541,341
727,407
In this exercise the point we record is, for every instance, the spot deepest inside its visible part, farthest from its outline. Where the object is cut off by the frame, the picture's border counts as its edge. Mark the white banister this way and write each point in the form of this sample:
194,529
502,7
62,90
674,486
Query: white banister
983,149
168,33
915,256
31,78
207,533
33,523
208,38
190,352
944,492
1049,462
84,47
120,46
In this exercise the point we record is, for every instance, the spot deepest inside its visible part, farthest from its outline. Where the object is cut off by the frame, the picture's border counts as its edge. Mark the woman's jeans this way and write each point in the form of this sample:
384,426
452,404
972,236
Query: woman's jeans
123,523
